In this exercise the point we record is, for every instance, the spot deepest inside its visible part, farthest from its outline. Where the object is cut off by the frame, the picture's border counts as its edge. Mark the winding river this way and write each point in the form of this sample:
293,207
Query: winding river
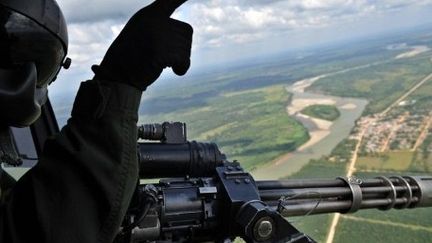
324,135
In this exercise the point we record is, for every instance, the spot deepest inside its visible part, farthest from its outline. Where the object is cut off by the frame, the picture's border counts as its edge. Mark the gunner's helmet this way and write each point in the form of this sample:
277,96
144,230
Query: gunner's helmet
33,48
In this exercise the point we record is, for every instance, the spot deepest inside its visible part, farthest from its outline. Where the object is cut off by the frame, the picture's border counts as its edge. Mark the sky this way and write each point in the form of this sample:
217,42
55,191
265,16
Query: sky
230,30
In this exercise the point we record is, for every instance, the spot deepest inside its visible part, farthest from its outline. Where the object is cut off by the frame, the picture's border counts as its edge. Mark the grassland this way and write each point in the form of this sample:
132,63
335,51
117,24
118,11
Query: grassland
368,230
325,112
396,161
251,126
422,97
422,159
381,84
315,226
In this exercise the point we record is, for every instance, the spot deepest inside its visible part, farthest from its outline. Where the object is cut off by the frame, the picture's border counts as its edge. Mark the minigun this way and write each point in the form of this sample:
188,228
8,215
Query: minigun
204,197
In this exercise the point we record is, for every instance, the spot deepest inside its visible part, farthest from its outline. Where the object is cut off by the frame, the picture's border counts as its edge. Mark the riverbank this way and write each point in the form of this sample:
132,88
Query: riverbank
324,135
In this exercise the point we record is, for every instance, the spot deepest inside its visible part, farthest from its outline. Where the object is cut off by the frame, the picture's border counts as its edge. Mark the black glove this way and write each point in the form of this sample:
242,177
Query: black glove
150,42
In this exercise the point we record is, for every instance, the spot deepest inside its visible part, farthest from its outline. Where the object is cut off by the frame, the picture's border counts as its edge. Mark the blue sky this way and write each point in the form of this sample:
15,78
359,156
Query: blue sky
226,30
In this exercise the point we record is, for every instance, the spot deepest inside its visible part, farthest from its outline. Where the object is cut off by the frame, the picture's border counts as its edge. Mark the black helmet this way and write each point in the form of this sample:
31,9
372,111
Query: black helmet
33,47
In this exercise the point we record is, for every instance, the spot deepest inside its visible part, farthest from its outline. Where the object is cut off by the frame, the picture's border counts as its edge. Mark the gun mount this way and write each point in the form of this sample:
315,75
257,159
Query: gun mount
210,199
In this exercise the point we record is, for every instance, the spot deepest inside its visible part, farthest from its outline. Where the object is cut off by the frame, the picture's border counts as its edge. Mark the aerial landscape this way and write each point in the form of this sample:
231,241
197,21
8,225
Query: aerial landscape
217,121
360,108
377,94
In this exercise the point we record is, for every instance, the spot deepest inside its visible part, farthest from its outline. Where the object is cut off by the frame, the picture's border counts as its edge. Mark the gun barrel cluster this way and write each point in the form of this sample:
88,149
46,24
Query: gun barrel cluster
299,197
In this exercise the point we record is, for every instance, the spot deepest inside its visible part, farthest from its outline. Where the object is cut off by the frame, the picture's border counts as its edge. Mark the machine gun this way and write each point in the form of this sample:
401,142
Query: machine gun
207,198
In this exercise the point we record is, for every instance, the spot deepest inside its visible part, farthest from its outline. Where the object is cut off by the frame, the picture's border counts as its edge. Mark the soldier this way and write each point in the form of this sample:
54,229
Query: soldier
82,185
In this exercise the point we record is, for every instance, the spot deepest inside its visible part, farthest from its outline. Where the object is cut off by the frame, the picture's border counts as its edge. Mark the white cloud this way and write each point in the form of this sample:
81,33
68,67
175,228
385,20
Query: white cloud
88,42
222,21
221,26
214,20
99,10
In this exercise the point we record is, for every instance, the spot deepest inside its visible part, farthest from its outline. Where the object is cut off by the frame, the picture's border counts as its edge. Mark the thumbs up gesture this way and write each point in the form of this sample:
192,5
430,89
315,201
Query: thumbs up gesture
150,42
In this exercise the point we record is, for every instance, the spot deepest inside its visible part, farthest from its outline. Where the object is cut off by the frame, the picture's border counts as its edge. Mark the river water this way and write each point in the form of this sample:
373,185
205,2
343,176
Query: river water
350,109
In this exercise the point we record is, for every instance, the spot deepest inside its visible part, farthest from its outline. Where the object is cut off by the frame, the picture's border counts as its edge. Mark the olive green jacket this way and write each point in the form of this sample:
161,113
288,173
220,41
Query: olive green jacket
82,185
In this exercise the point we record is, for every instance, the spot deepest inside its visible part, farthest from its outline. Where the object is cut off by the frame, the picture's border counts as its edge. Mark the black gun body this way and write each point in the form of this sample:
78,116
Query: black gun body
210,199
186,209
190,210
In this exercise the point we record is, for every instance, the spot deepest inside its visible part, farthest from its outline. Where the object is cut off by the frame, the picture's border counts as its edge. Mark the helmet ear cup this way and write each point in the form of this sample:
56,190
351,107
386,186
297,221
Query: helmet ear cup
33,31
18,104
33,48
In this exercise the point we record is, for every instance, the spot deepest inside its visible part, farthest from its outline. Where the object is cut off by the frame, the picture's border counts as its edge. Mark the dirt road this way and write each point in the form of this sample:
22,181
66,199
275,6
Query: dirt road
393,131
350,172
403,97
423,133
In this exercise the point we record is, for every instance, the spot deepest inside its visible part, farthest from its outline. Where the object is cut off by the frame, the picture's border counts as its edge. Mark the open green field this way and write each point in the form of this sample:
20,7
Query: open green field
251,126
325,112
387,161
422,96
315,226
359,229
381,84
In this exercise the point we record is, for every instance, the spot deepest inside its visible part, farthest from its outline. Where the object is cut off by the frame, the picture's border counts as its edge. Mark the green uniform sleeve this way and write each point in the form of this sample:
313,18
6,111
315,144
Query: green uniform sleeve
81,187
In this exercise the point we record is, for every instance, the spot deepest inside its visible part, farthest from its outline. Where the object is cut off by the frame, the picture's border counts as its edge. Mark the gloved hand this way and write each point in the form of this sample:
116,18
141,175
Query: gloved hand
150,42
